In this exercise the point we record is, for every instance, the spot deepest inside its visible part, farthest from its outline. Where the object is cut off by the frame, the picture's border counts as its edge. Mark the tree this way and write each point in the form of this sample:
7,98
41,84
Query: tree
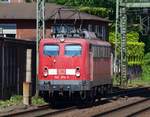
135,49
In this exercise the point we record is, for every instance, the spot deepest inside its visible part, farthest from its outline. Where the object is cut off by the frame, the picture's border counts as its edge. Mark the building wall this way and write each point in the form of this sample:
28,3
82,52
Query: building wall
17,1
26,29
12,1
89,25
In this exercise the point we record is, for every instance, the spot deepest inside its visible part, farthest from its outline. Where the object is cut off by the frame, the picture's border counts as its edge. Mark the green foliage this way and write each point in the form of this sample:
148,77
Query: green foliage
112,38
50,1
75,2
135,53
102,12
17,99
14,100
97,3
146,67
28,1
62,2
131,37
135,49
146,40
37,100
139,83
103,8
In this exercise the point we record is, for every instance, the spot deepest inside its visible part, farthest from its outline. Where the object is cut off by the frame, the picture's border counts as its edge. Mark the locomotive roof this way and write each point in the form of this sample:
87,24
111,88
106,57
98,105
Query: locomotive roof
78,40
99,42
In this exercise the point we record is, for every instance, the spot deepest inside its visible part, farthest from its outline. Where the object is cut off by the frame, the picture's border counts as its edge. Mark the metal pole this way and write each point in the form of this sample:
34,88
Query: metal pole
116,37
123,26
40,33
3,69
37,46
43,18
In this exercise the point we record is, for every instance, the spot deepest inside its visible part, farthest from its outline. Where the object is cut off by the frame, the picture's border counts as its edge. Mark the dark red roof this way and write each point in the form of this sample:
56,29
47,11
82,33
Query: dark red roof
28,11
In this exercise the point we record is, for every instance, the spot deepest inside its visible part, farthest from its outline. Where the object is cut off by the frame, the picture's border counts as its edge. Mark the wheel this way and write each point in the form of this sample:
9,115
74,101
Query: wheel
87,98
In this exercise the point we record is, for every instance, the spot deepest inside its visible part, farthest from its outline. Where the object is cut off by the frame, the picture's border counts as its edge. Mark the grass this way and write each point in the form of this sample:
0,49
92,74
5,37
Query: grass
140,82
37,100
14,100
17,100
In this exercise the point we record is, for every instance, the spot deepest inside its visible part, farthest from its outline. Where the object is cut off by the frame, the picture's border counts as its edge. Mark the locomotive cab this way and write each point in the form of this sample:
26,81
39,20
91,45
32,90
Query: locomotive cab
64,66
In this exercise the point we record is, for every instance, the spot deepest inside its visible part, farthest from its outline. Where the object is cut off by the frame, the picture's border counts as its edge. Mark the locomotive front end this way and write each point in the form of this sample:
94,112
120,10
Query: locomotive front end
63,66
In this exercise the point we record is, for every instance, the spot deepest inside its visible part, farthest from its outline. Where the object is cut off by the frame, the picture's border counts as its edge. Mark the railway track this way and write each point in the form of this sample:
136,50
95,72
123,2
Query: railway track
46,110
129,92
129,110
141,113
41,111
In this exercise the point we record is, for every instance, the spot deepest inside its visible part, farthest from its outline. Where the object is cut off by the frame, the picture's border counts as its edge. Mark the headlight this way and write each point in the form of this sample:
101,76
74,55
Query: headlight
45,72
77,74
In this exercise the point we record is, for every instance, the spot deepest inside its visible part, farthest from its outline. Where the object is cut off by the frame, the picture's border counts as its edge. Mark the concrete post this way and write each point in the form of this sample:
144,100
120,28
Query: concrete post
27,83
26,93
28,65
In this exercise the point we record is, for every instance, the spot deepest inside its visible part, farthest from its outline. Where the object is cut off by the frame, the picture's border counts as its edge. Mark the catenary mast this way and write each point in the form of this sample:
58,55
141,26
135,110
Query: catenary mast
122,8
40,32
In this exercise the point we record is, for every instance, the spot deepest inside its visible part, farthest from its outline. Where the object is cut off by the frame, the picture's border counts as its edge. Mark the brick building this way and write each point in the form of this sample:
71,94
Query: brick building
19,21
12,1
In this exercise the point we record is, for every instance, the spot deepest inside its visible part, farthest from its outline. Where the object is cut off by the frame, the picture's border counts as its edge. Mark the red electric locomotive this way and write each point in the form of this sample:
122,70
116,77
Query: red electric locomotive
74,67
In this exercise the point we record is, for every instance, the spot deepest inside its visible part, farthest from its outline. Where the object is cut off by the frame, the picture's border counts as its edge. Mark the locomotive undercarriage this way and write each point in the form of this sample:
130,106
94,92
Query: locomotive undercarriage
81,91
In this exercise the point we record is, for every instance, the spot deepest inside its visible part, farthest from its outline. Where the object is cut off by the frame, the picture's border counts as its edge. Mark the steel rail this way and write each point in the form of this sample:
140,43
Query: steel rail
51,111
139,112
38,112
57,112
128,92
42,107
118,109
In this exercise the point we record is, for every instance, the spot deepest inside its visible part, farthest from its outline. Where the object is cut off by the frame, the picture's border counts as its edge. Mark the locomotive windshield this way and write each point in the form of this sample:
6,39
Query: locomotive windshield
51,50
73,50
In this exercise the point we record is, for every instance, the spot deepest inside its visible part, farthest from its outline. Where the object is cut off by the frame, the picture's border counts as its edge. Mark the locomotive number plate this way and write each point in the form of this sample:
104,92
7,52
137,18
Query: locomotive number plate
61,71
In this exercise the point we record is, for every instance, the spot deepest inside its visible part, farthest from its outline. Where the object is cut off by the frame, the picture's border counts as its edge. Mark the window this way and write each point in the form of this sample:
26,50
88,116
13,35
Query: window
4,1
73,50
1,32
104,32
90,27
51,50
59,28
8,30
10,35
101,51
96,51
66,30
100,31
97,30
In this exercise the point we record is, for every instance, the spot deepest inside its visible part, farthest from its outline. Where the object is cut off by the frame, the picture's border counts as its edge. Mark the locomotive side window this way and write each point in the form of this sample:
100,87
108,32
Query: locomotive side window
73,50
101,51
51,50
